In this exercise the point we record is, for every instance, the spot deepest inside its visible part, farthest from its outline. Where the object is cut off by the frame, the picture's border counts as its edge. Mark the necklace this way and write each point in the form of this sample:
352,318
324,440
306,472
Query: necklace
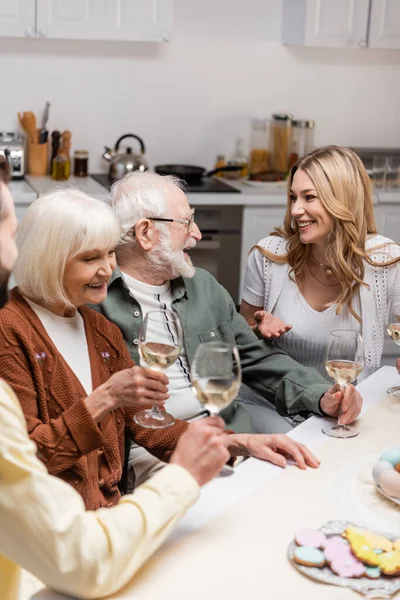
328,270
321,282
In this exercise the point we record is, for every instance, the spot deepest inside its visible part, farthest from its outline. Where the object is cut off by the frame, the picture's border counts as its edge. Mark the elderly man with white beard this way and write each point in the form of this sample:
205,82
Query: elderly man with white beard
155,272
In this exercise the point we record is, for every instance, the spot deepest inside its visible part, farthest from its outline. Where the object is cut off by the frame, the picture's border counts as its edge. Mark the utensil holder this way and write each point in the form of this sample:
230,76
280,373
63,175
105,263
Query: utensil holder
38,158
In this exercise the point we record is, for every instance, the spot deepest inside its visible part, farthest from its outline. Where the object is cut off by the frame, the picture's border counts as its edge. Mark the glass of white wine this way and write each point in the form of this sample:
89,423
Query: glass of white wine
393,329
344,361
160,344
216,375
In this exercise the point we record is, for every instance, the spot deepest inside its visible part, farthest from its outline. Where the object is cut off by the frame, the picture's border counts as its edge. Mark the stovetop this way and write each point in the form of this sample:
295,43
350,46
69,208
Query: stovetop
207,184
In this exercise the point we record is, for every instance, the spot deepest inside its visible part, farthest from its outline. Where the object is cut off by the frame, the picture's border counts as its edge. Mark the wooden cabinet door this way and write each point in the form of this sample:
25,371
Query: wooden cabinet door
17,18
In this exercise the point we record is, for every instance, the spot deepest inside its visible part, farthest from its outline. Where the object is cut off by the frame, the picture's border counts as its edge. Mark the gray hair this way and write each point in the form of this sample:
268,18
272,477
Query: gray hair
57,227
138,196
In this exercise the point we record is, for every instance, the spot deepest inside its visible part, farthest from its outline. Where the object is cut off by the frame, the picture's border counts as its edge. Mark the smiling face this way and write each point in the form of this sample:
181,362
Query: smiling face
172,248
86,276
313,220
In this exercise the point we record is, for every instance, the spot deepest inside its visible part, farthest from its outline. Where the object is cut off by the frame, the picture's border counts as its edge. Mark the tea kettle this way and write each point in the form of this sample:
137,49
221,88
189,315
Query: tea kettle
122,163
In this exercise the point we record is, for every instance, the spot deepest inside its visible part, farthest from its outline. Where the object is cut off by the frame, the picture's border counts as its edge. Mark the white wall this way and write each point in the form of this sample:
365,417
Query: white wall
190,98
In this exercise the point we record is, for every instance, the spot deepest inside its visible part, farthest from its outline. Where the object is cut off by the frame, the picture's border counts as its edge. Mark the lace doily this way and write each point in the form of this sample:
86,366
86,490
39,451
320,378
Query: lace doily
354,495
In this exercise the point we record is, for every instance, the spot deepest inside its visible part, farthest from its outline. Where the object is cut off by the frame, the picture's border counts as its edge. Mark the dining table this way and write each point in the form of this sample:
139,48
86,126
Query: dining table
233,543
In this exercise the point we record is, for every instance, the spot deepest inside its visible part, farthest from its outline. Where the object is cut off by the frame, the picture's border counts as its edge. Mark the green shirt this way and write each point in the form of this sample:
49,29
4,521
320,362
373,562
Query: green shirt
208,313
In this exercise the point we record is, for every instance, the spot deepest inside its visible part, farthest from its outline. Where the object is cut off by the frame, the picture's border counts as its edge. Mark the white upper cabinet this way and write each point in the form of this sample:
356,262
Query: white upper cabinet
121,20
384,31
141,20
337,23
341,23
71,19
17,18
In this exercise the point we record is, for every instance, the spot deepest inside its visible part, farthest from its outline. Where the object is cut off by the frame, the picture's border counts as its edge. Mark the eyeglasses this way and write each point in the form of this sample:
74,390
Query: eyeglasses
188,222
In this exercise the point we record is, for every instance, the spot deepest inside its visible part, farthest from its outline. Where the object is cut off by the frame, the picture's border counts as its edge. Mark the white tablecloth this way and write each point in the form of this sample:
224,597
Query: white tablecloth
233,542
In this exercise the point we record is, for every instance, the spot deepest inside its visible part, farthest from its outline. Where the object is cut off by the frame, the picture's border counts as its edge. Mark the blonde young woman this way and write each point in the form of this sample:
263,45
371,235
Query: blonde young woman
326,268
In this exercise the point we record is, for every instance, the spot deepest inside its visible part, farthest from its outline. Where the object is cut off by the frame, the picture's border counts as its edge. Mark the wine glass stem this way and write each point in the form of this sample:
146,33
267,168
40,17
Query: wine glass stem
156,413
343,389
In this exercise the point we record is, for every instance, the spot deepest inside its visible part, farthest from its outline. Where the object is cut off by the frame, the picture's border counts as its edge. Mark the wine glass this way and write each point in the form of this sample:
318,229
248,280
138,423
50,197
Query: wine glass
393,329
344,361
160,344
216,375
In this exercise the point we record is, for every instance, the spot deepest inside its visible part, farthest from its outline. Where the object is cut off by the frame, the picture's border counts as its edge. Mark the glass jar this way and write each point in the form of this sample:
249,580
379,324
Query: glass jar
81,163
238,159
259,159
280,129
302,140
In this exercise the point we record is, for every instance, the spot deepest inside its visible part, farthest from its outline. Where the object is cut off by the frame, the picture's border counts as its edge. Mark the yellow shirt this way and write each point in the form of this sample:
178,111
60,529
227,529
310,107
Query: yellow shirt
45,529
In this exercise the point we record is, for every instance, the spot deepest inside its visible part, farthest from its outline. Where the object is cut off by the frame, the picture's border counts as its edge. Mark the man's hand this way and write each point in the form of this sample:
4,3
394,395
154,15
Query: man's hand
273,448
268,326
398,364
201,450
349,403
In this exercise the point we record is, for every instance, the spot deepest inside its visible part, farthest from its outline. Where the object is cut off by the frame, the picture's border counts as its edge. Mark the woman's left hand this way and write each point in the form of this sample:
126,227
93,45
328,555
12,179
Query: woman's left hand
350,402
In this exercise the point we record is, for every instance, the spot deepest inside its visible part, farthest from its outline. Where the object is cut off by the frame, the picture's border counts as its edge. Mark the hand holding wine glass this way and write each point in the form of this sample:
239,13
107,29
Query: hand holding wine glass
393,329
344,361
216,375
160,344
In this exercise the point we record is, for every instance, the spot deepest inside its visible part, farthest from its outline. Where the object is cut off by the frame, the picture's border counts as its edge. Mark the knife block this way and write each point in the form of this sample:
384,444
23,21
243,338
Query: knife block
38,158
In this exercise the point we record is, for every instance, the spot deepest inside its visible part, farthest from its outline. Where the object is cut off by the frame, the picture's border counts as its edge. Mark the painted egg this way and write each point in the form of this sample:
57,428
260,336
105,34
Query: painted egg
380,468
392,456
390,483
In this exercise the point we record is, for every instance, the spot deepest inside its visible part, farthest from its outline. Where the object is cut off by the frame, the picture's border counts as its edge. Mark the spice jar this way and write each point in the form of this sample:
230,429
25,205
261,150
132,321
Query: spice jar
81,163
280,129
259,148
302,140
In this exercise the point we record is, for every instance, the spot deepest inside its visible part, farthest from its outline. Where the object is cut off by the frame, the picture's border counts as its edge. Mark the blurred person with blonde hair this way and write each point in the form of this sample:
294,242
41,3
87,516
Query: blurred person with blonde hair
327,267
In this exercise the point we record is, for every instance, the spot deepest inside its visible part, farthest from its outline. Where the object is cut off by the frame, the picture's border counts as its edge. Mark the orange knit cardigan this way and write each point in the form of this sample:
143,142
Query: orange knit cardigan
86,454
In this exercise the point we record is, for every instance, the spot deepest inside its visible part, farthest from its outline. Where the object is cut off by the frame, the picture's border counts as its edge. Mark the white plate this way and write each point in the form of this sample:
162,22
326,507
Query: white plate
395,500
265,184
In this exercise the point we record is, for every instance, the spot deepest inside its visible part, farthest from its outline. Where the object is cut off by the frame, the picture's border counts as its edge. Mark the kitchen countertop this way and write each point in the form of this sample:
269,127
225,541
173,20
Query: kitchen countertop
273,195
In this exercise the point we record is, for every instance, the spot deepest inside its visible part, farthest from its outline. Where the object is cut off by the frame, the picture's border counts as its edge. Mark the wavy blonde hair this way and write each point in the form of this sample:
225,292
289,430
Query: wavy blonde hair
345,191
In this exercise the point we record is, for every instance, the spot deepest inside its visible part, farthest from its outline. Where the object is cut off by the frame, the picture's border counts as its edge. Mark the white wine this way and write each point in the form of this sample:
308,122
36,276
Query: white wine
159,356
393,330
343,371
216,393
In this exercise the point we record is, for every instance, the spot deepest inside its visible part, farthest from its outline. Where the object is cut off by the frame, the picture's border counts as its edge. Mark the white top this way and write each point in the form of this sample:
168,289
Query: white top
306,341
182,403
265,282
69,337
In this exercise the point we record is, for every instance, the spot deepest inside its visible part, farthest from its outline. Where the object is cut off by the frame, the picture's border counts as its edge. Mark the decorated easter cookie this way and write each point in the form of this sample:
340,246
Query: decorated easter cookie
396,545
309,557
389,562
373,572
361,548
379,542
310,537
341,560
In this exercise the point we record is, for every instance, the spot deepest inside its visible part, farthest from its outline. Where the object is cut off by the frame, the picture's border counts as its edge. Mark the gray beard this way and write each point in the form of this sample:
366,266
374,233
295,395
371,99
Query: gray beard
169,264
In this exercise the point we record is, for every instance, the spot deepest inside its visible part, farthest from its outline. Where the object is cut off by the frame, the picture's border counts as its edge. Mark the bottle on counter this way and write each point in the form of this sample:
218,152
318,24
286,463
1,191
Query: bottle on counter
81,163
61,165
302,140
55,145
281,132
259,161
220,162
238,159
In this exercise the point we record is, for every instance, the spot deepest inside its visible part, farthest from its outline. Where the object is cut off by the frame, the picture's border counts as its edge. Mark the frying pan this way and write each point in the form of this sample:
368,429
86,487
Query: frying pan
190,173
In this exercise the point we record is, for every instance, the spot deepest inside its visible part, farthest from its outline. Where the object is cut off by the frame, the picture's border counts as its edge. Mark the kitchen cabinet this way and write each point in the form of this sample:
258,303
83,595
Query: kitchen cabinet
17,19
341,23
120,20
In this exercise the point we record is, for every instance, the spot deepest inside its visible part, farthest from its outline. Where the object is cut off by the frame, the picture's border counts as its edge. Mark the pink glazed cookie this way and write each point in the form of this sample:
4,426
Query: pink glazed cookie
310,537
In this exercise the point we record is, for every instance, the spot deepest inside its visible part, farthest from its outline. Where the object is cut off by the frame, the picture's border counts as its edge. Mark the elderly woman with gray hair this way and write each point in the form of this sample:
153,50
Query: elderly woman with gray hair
67,364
